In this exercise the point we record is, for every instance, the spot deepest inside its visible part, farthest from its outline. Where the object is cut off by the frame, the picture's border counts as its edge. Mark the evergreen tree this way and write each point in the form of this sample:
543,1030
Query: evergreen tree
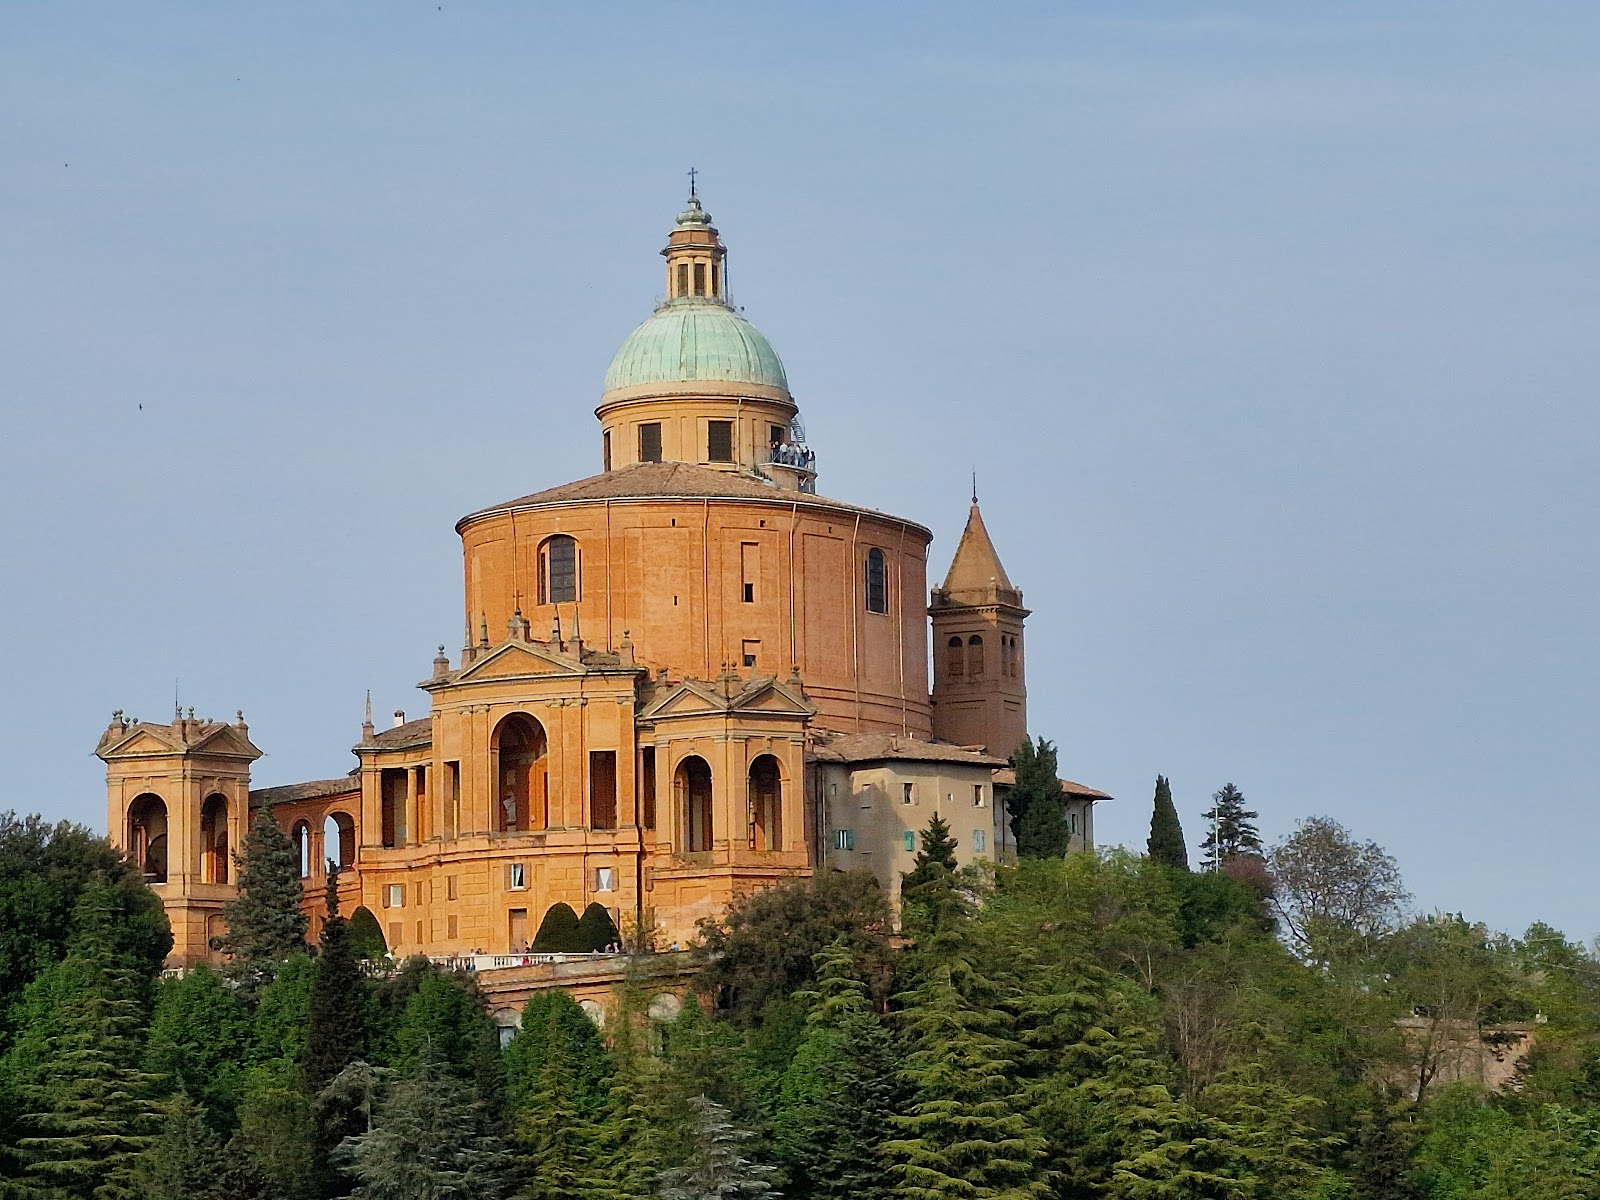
1166,844
199,1042
366,935
716,1167
929,896
838,1094
336,1027
966,1132
265,923
552,1023
596,929
190,1162
429,1140
558,932
559,1125
446,1022
1381,1151
277,1136
1036,803
89,1114
1232,828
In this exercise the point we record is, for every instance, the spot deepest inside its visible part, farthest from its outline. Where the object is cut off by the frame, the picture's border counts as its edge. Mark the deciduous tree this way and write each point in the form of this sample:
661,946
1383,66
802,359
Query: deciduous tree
1333,894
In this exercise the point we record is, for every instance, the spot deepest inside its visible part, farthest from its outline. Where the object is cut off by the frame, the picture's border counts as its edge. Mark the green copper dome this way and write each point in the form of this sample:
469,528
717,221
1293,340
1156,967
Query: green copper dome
695,339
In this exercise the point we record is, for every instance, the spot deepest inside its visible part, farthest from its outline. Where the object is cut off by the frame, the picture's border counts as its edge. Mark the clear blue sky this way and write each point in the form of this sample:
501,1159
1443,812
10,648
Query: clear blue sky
1270,330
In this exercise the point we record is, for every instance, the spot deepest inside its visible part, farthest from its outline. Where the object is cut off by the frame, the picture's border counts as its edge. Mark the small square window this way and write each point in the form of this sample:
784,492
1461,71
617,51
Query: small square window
910,838
844,839
605,879
397,896
908,793
749,593
752,651
980,840
517,876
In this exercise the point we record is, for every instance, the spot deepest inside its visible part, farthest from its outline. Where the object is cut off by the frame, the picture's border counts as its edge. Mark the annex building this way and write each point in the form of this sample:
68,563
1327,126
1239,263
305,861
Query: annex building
680,680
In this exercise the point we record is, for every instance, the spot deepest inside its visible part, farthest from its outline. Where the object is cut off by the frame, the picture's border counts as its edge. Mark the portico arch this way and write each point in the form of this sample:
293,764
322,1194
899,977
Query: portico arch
214,849
339,840
147,836
691,786
766,803
521,752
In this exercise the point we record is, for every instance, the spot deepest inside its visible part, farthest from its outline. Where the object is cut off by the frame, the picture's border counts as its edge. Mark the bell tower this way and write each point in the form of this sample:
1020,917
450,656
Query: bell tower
980,697
178,805
696,258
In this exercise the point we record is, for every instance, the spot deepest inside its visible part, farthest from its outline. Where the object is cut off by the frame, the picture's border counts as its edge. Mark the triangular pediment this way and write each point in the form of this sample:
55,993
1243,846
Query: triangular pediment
518,660
689,698
225,739
770,696
140,741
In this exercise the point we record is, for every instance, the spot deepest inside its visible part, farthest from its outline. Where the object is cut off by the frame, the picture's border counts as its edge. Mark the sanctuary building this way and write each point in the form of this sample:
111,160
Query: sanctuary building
680,680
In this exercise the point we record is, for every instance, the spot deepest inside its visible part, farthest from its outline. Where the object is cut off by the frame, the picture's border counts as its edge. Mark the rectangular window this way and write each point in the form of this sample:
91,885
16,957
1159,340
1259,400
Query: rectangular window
420,938
452,887
452,927
517,876
416,892
752,651
650,441
394,934
844,839
605,879
396,896
908,794
699,279
452,798
775,435
749,569
602,789
980,840
605,450
683,279
647,785
719,441
1072,824
910,839
977,795
716,280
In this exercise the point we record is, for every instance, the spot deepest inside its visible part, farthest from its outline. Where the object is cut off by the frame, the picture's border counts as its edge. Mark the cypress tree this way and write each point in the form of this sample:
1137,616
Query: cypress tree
716,1166
1036,803
336,1034
1166,844
558,932
1232,828
88,1111
266,924
558,1130
596,929
966,1132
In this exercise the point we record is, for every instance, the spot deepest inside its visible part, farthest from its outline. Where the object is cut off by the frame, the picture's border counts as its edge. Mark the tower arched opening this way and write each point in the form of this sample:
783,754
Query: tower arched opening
147,836
301,837
766,803
339,840
691,785
214,848
975,656
521,751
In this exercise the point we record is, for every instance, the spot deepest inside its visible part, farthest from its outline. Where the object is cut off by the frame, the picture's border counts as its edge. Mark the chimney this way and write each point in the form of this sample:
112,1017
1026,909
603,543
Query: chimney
399,717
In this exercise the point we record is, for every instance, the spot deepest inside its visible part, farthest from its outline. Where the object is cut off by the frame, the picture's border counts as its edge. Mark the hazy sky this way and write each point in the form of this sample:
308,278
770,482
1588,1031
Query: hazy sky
1271,331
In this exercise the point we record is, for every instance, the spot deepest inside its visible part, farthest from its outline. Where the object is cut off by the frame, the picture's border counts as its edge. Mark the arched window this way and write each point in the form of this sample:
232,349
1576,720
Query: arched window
692,788
877,581
766,804
214,839
339,840
975,656
955,662
301,837
147,837
558,570
521,748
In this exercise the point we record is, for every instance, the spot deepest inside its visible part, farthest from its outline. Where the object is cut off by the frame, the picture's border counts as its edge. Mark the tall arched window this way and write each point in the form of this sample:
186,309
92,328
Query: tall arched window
766,804
521,750
558,570
955,662
975,656
301,837
877,581
214,839
691,785
147,836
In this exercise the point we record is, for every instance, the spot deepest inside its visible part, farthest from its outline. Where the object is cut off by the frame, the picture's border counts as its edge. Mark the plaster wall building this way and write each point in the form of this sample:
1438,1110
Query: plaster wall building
680,680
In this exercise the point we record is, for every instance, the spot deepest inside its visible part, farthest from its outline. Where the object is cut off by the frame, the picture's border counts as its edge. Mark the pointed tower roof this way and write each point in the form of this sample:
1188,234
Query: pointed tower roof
976,575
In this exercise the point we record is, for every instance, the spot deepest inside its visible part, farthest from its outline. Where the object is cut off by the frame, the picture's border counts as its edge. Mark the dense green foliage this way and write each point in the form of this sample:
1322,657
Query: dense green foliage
1036,803
558,932
1090,1027
266,925
1166,845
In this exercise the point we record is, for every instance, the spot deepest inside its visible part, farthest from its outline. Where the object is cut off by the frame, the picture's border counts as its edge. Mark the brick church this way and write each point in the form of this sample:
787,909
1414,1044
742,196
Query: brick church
680,680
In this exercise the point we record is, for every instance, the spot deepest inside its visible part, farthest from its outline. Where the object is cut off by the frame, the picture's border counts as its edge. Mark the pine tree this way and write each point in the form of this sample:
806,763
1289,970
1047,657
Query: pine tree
559,1129
716,1167
1381,1152
966,1133
839,1092
190,1162
265,922
336,1033
89,1115
929,897
1166,844
429,1140
1232,829
1036,803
